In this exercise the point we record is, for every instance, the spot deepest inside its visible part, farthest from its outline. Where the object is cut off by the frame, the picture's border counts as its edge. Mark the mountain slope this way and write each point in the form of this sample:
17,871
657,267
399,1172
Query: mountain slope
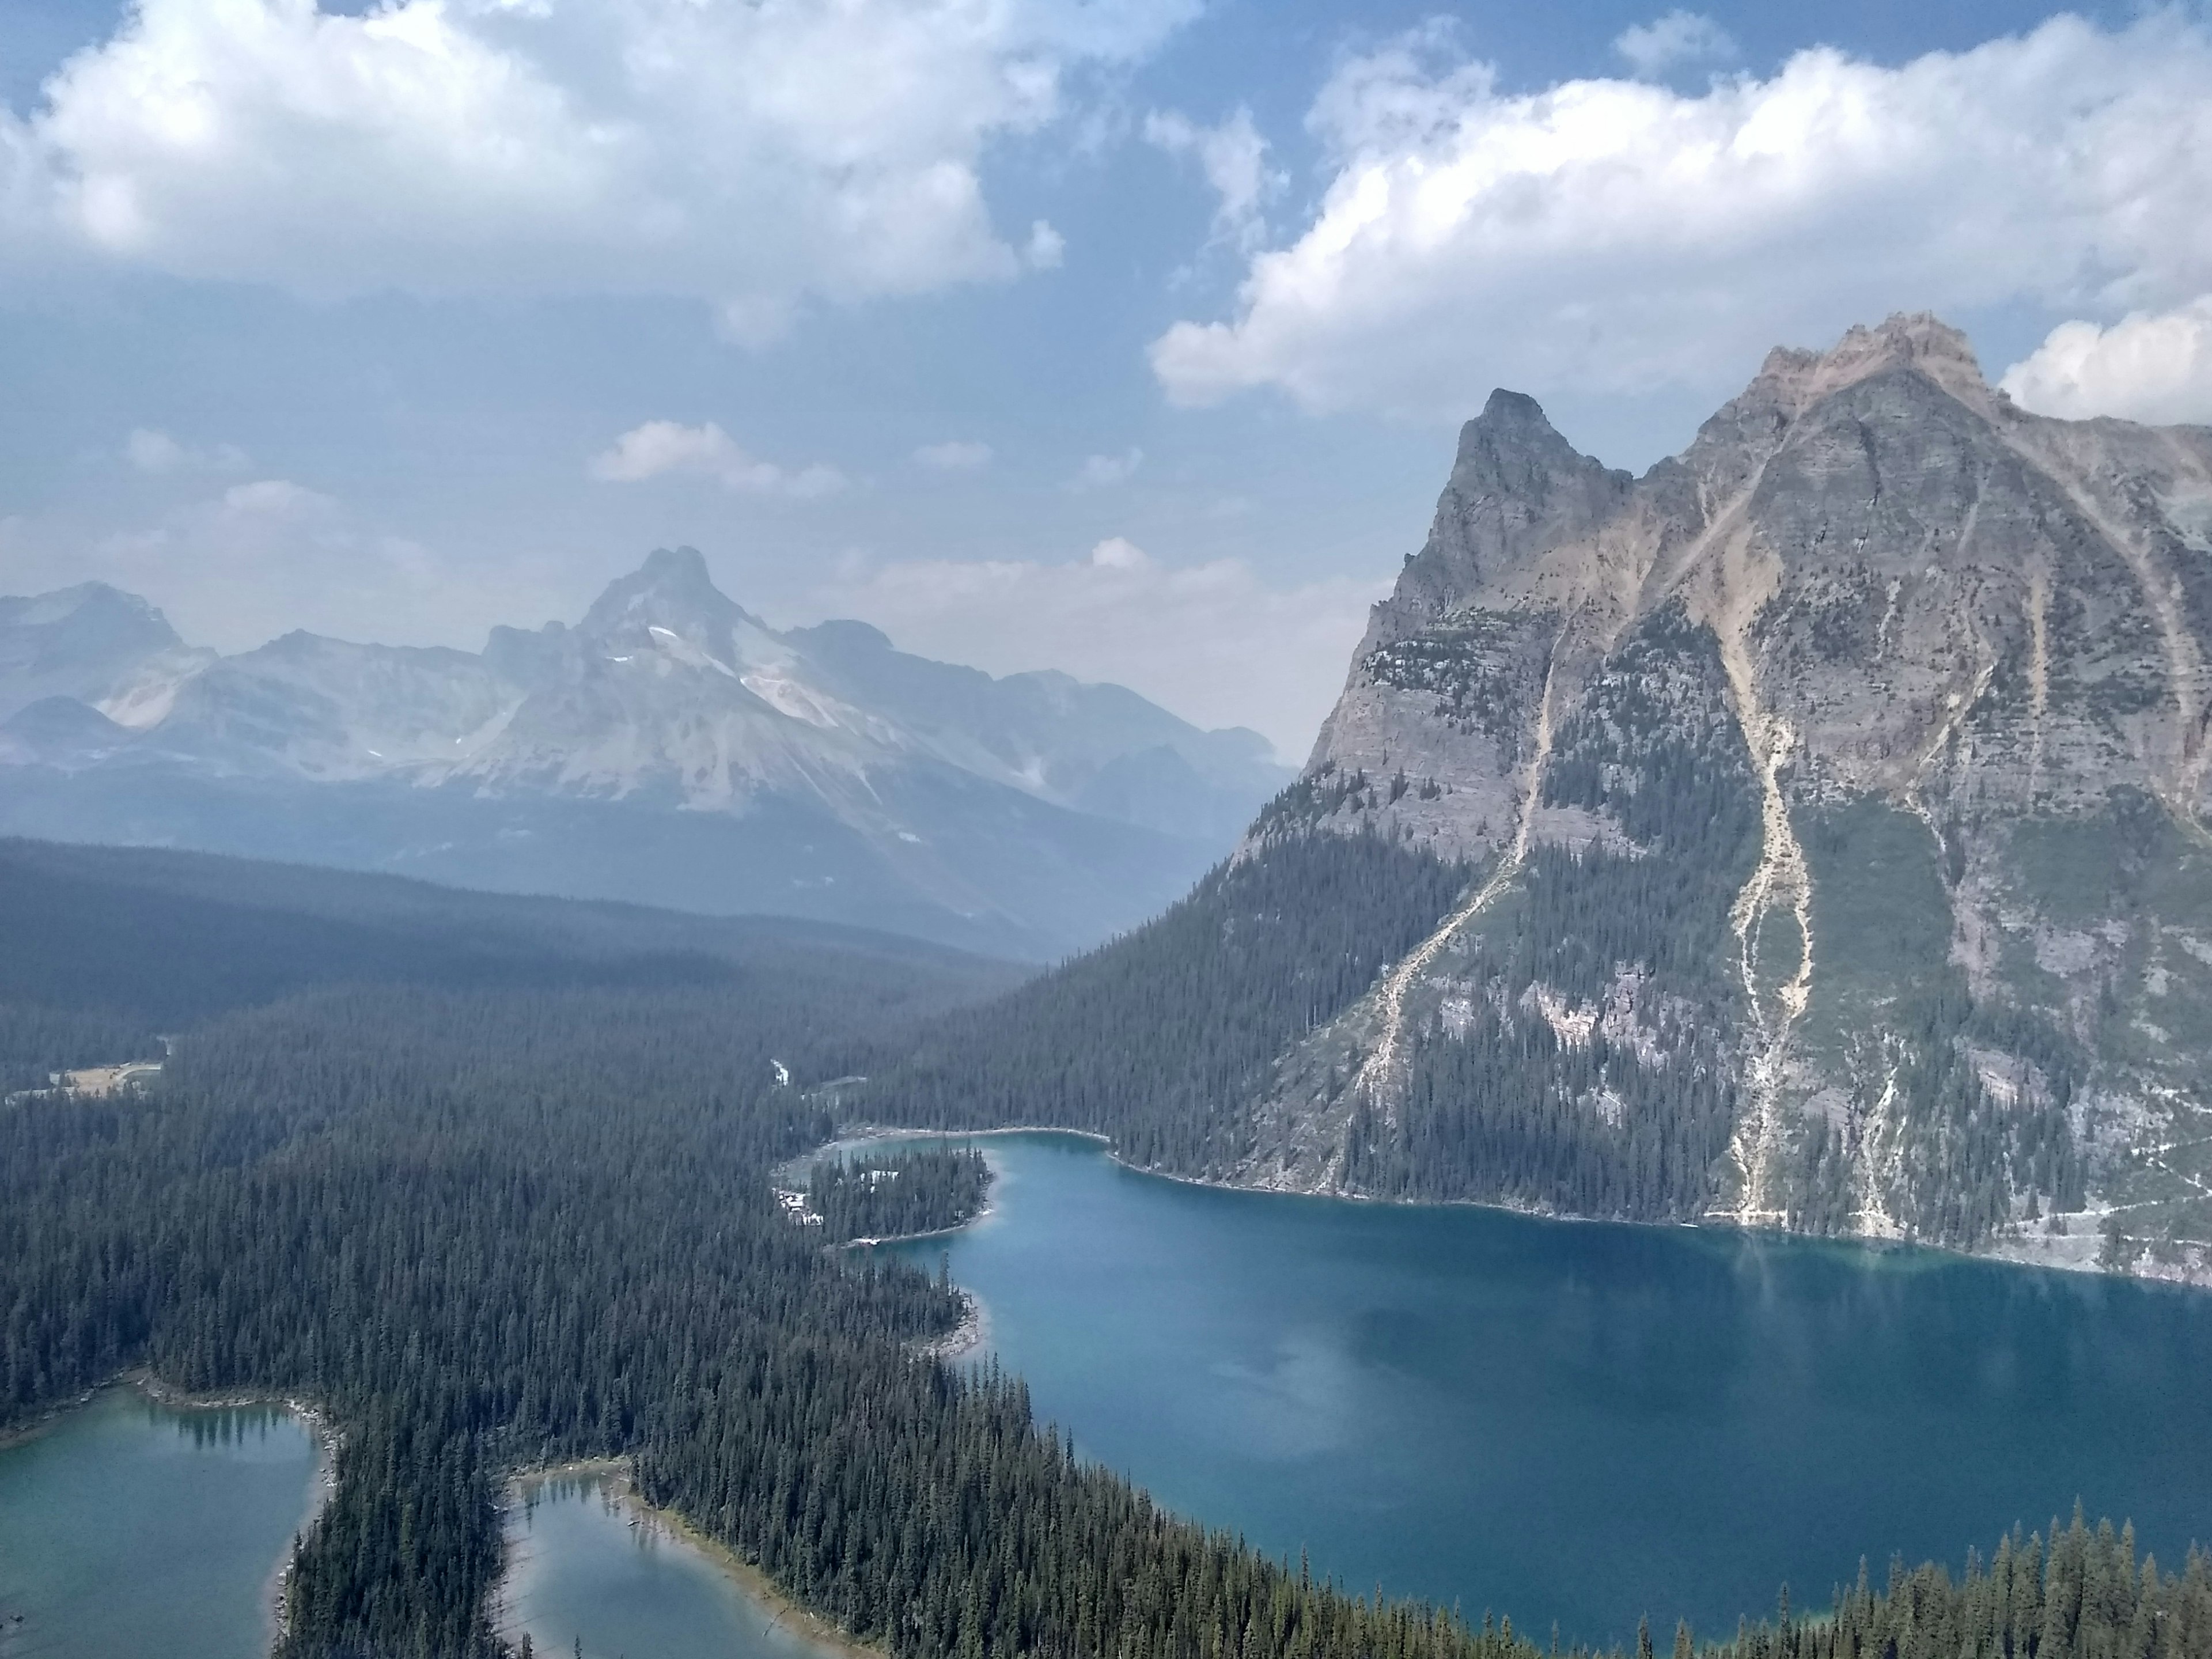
669,749
1833,796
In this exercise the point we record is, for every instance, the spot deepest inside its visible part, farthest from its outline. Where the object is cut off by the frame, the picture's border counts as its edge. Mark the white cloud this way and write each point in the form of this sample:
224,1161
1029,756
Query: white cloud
153,451
1215,643
1619,236
756,156
1102,472
1234,158
1668,42
662,448
150,450
2146,367
954,455
1047,247
1120,553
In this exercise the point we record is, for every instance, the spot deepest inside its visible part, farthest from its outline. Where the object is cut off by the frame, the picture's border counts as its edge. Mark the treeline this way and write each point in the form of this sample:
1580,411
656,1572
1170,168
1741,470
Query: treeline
895,1194
2083,1594
1161,1040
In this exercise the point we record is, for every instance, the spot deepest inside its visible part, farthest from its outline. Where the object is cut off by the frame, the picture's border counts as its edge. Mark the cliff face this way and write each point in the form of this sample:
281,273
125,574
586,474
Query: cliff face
1834,794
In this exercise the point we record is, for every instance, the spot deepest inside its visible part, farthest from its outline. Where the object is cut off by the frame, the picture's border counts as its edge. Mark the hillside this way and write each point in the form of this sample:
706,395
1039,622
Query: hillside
1829,799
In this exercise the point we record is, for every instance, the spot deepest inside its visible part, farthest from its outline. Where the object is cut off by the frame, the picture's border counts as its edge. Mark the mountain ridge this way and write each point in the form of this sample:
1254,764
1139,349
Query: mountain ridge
816,771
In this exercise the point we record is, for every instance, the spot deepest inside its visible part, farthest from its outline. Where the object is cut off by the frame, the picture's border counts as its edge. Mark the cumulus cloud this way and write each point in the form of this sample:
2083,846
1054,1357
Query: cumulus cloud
664,448
1215,642
954,455
1120,553
1679,38
2154,367
755,156
1614,236
151,450
1234,158
1103,471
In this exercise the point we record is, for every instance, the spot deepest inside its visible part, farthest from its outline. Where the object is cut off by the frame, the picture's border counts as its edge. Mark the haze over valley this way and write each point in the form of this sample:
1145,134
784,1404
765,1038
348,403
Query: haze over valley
669,749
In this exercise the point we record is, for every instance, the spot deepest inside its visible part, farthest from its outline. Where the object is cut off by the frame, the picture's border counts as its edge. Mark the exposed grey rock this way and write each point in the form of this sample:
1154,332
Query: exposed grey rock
1962,652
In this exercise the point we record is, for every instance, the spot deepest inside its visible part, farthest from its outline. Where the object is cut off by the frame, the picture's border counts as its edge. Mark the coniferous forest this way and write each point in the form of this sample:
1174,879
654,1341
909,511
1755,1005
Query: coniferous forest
498,1192
897,1194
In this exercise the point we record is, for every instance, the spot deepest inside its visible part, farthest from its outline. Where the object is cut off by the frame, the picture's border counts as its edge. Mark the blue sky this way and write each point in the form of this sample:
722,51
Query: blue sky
1126,339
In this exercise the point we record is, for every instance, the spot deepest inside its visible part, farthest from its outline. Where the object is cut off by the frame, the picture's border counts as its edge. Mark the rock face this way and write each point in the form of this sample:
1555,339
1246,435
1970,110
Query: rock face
1833,796
669,748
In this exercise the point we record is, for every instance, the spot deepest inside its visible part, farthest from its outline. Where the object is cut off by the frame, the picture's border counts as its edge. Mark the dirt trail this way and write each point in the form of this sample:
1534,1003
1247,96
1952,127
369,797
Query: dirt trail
1378,1075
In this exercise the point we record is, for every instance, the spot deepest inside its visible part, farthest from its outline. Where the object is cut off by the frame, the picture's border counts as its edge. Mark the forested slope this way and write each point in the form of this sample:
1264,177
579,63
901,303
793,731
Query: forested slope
529,1217
1161,1040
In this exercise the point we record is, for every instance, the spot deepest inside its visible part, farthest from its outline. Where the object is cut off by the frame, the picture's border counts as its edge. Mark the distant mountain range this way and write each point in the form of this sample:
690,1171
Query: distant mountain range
669,749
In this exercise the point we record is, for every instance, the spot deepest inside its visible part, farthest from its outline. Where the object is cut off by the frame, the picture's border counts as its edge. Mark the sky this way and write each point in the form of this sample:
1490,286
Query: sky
1126,339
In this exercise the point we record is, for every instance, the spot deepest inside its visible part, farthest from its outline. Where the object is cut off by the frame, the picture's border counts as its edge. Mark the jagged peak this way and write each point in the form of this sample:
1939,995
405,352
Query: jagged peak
673,584
1920,341
1513,421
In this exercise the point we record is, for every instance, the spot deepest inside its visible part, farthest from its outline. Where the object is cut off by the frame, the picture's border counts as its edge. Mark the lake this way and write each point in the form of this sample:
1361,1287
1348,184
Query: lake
132,1527
586,1568
1577,1422
1559,1421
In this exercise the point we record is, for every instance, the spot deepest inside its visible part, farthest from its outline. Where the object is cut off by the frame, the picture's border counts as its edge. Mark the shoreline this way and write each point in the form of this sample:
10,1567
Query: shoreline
616,1475
2073,1254
322,1483
973,1332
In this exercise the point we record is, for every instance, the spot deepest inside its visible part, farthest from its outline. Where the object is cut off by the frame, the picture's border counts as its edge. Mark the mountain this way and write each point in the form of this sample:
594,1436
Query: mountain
668,749
1806,834
110,651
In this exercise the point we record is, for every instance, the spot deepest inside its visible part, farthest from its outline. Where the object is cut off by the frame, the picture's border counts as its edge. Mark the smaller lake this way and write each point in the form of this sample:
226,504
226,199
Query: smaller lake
132,1527
588,1566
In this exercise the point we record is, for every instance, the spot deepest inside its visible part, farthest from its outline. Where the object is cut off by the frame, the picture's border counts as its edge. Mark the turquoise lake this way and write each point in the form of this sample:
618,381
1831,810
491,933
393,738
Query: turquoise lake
1576,1422
131,1528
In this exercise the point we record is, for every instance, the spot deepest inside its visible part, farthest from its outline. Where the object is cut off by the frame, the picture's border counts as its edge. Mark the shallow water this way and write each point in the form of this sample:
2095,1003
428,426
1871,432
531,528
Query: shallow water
587,1567
1572,1421
132,1528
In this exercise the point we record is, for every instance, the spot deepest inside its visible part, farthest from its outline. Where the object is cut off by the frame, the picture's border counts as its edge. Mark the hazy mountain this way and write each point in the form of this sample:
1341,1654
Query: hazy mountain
109,650
670,748
1828,807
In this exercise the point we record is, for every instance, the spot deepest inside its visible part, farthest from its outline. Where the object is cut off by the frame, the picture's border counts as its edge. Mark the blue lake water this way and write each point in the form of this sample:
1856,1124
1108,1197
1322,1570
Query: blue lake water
1576,1422
587,1568
132,1528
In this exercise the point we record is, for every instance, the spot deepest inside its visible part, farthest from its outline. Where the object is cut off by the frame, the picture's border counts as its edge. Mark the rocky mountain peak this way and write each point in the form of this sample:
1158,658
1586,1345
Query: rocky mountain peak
1517,489
672,589
1911,686
1918,341
104,648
